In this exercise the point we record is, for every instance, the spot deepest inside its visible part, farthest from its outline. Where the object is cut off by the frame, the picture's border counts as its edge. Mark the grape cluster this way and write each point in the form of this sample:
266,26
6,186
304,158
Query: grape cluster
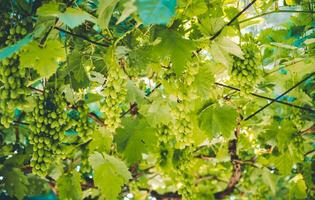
14,89
48,122
246,72
183,125
115,93
81,124
183,163
13,28
14,79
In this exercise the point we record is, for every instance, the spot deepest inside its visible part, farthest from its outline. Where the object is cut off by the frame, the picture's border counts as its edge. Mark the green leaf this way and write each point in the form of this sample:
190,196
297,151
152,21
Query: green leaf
76,70
269,179
50,9
134,94
69,186
175,47
160,106
216,119
230,47
218,54
298,187
136,138
196,8
221,48
156,11
203,82
15,182
110,174
129,8
104,11
43,59
223,153
72,17
210,25
101,141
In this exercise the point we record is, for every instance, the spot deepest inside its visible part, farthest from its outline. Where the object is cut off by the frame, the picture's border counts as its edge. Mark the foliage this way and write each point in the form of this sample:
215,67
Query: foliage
172,99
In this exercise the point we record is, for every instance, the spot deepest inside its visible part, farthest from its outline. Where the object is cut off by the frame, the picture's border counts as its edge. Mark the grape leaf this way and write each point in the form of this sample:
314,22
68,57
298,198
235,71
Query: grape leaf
177,48
110,174
156,11
104,11
134,94
203,82
269,179
298,187
101,141
43,59
160,106
77,71
129,8
50,9
72,17
215,119
221,48
69,186
230,47
196,8
136,138
15,182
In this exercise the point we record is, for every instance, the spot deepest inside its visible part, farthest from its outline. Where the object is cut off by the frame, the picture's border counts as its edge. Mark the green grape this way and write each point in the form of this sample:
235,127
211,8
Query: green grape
183,126
14,90
245,72
81,122
47,133
115,92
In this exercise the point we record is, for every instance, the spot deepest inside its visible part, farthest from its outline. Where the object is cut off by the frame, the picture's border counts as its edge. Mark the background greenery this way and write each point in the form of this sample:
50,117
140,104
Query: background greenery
157,99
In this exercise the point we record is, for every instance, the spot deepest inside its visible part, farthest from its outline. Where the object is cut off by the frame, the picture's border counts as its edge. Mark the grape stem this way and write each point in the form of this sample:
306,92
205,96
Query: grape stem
268,98
276,99
82,37
233,20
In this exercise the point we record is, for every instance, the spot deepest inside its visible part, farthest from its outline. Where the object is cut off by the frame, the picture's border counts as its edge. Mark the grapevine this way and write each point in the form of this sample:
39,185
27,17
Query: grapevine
156,99
49,121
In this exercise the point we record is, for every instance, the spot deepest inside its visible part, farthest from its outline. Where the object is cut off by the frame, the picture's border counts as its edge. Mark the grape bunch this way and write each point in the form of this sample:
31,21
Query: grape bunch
81,124
182,164
183,126
164,133
245,72
14,87
13,28
48,122
115,93
14,79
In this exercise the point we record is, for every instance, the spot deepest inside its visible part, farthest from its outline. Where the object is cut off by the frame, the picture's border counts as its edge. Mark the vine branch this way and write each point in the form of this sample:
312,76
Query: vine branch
274,100
233,20
237,168
82,37
268,98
